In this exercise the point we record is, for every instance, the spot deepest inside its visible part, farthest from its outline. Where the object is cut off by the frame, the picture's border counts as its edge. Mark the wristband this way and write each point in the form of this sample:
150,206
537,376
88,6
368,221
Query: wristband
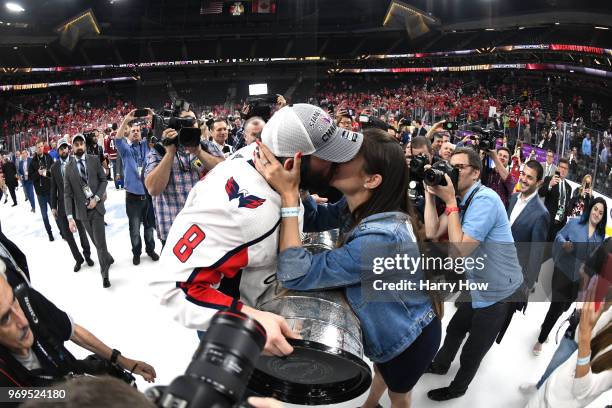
290,212
450,210
584,360
114,355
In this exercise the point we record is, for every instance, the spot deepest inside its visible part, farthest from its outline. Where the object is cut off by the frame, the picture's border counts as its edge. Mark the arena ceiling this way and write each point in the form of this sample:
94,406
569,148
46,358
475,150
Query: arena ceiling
126,31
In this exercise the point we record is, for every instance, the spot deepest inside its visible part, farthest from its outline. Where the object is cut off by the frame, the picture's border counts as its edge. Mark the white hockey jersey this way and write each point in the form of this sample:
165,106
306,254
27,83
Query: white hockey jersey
230,222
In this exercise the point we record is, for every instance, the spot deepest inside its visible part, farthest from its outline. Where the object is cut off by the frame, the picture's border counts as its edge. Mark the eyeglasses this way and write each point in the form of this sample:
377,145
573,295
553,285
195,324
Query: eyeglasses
461,166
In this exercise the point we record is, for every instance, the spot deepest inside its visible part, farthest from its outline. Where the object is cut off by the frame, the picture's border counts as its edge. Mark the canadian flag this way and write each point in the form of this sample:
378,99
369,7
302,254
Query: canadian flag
264,6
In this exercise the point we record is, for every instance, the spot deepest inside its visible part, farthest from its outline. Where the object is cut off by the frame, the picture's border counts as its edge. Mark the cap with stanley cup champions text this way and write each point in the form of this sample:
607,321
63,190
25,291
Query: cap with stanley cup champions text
63,142
309,129
78,136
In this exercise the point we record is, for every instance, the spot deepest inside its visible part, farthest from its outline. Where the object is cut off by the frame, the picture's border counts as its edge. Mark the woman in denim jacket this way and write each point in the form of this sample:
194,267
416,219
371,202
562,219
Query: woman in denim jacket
572,246
400,328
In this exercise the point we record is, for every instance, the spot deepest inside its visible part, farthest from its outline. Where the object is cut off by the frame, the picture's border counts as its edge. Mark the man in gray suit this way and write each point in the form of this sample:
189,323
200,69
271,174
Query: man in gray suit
59,209
85,183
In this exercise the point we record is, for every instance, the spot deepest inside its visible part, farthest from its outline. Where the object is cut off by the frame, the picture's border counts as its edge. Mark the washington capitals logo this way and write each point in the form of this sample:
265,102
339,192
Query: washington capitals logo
244,200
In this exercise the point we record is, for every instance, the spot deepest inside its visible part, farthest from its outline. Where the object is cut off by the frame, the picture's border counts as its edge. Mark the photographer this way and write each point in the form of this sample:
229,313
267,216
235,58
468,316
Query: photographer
344,119
169,177
32,351
480,221
134,150
500,180
91,141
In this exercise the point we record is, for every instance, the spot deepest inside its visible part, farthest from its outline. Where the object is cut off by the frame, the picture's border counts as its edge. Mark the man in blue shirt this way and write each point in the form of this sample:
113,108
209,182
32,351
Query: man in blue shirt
586,145
480,230
133,150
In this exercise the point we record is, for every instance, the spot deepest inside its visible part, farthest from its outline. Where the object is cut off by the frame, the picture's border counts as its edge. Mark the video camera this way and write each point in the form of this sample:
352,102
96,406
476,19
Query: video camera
487,138
221,366
369,122
188,134
89,137
261,106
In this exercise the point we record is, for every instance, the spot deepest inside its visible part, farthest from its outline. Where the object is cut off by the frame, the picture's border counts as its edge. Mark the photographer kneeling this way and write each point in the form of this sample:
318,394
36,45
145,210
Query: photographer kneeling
32,335
481,220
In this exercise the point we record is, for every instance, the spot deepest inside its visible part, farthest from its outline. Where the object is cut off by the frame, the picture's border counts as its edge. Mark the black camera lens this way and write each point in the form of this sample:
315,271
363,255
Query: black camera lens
434,177
222,364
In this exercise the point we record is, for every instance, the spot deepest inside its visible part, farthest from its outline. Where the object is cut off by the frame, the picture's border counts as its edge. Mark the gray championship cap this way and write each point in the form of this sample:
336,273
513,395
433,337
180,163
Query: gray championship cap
309,129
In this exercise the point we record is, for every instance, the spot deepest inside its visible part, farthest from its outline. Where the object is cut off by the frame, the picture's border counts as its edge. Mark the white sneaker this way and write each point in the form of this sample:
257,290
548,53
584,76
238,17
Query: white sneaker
537,349
528,388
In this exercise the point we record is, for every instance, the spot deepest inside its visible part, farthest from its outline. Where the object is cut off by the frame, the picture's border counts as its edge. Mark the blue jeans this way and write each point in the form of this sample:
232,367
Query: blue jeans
28,188
564,351
44,202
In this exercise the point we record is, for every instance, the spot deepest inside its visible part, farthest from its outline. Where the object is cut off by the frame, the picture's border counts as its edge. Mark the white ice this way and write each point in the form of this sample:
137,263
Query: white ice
128,318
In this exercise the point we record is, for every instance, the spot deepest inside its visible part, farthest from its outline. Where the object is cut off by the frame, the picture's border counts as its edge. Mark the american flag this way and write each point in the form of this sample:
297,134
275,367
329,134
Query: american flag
211,7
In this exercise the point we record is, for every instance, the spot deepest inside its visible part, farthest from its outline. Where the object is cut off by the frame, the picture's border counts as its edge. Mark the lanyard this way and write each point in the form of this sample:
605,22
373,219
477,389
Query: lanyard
137,153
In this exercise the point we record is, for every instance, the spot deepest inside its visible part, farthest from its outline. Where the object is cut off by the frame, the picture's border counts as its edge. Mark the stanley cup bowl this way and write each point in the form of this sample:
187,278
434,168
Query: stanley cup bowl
326,366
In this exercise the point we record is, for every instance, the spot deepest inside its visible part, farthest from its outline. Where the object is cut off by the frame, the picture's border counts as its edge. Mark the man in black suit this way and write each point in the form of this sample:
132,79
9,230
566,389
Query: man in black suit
84,192
39,173
529,221
557,193
59,210
419,129
10,177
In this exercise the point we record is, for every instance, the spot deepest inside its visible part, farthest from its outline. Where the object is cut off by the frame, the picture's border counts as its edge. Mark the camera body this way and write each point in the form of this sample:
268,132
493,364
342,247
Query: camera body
417,167
434,176
261,105
188,135
89,138
487,138
368,122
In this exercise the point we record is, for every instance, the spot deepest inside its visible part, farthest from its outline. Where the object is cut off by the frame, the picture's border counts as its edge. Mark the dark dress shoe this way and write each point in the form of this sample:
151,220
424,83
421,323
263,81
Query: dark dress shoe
33,210
77,266
136,260
14,205
444,394
106,283
153,256
436,369
89,261
51,238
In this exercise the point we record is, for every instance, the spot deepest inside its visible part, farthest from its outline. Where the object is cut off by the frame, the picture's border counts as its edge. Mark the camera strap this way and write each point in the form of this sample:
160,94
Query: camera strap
465,206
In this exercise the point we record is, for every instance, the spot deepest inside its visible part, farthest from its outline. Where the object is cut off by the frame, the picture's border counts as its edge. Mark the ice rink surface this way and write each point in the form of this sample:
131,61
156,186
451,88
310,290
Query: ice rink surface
127,317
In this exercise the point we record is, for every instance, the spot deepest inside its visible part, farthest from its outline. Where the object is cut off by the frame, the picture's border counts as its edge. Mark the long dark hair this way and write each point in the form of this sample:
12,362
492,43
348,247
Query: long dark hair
601,227
383,155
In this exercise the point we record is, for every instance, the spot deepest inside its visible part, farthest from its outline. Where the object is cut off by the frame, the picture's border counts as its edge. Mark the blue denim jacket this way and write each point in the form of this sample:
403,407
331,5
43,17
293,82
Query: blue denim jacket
578,234
388,327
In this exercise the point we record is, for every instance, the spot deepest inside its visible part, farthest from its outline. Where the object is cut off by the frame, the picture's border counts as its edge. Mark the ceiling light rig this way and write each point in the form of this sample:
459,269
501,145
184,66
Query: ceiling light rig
14,7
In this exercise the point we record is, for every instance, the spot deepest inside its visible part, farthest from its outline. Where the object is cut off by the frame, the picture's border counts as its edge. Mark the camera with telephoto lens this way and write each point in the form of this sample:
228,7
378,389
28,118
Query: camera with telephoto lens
434,176
220,368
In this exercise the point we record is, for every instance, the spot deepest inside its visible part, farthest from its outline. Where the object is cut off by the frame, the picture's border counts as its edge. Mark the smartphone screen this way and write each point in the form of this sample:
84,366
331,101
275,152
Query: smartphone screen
141,113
